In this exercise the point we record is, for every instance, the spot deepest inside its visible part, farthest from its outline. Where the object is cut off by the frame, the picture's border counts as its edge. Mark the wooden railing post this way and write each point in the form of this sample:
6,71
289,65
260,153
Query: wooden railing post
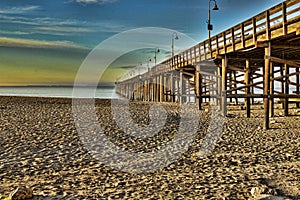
242,35
268,32
284,24
254,30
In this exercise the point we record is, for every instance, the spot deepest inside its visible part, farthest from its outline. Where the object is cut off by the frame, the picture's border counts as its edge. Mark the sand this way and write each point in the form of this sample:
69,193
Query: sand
41,148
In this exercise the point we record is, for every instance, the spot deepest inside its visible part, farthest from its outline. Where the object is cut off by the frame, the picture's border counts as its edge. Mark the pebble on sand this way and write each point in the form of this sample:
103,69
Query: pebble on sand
21,193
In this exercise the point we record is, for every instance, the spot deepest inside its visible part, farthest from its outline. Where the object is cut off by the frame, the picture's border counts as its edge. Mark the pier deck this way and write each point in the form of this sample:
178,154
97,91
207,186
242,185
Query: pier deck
258,58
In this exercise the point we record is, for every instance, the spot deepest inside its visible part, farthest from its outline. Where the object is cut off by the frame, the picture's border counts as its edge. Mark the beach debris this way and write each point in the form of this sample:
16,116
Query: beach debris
21,193
230,116
257,191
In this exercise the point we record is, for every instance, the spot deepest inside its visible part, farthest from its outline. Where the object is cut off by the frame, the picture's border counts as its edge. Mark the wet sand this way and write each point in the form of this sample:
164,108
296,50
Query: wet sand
41,148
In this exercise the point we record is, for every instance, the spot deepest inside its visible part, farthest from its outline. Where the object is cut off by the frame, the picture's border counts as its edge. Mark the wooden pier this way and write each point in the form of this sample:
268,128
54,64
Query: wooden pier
244,62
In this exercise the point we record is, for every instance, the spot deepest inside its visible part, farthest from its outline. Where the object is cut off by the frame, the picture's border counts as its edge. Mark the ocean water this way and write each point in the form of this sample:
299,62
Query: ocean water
61,92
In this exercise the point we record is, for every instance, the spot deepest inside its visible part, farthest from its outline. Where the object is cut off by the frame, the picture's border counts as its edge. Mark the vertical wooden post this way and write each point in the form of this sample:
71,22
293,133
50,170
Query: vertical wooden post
217,46
157,88
282,82
224,42
247,90
297,87
197,86
219,79
287,84
161,88
232,39
243,35
172,94
254,30
150,97
200,90
180,86
146,94
231,85
235,86
224,85
126,90
284,18
272,90
268,32
167,87
155,96
267,86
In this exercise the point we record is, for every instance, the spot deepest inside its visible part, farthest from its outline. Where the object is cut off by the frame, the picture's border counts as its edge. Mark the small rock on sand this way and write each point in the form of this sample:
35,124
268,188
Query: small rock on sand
21,193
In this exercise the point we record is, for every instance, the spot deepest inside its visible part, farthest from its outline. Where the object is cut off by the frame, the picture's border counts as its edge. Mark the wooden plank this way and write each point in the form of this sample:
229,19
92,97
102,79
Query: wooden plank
290,100
275,96
288,75
283,61
247,86
263,44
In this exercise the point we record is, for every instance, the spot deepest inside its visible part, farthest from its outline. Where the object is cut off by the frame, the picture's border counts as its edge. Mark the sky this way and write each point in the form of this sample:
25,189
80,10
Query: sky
45,42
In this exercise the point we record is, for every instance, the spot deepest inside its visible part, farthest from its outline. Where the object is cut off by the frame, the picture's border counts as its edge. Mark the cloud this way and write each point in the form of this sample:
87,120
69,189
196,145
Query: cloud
66,29
128,67
38,21
17,42
14,32
55,26
95,1
18,10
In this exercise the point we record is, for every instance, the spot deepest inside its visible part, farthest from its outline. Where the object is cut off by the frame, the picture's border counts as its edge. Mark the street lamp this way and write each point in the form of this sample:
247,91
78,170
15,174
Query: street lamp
174,38
156,51
148,60
209,25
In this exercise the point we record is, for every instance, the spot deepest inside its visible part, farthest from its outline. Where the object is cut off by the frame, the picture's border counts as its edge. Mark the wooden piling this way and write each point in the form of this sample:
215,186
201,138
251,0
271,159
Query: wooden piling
247,89
286,90
267,86
224,85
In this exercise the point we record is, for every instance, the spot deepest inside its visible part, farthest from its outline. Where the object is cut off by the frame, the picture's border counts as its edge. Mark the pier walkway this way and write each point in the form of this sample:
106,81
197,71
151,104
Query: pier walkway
256,59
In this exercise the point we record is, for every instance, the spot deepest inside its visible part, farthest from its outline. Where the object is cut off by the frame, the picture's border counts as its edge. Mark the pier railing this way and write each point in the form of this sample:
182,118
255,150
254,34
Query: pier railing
278,21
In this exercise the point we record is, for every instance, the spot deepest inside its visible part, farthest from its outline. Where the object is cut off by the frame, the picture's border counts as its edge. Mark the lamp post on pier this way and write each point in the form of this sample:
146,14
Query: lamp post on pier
209,25
155,52
148,60
174,37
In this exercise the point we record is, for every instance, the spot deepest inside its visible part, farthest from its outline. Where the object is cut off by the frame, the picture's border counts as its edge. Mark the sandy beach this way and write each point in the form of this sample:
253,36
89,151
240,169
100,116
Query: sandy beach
41,149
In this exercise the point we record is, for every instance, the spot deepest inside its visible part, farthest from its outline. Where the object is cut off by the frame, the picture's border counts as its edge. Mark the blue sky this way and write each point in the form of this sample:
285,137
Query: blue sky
83,24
